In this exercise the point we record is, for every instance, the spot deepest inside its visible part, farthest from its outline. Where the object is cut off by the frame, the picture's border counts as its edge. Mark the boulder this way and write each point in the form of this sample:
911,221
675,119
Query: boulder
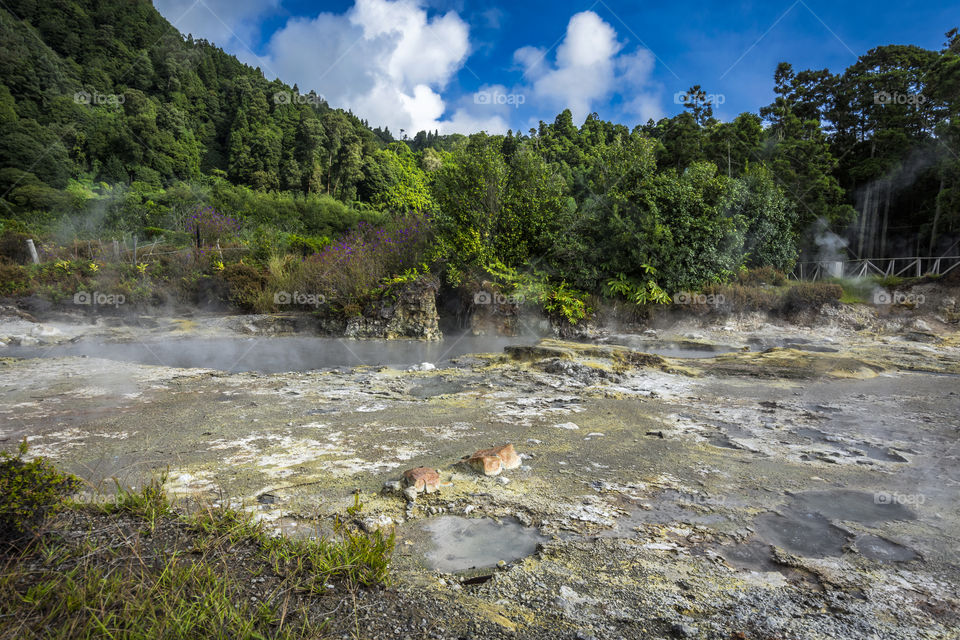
422,479
491,462
412,313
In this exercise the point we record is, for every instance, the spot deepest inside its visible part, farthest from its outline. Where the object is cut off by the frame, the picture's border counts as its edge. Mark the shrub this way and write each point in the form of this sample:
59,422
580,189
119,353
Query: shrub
348,270
208,226
13,279
13,246
744,298
244,283
307,245
30,491
811,296
562,303
760,276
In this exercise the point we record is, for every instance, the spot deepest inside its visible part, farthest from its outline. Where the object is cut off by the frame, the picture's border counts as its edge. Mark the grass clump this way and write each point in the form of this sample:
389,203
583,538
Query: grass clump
131,594
139,568
30,491
358,558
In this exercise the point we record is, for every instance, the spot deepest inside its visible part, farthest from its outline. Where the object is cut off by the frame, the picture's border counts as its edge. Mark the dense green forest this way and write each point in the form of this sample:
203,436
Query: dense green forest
114,124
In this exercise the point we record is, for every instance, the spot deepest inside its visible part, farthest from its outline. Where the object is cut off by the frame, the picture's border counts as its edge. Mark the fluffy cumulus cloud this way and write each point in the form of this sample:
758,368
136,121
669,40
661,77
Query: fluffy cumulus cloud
588,68
392,62
386,60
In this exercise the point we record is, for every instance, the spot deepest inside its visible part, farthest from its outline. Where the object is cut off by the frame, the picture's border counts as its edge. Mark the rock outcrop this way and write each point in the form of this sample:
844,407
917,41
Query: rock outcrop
411,314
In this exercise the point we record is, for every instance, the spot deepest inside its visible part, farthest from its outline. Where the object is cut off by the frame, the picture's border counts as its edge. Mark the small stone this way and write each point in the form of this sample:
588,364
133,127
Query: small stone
684,631
375,523
570,426
392,485
410,494
503,481
467,509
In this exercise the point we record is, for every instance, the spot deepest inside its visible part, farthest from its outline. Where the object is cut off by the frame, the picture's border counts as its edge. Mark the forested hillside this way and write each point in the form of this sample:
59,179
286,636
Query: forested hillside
114,124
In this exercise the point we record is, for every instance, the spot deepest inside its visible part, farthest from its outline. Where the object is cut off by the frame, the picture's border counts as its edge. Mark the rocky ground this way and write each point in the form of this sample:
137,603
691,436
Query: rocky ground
787,482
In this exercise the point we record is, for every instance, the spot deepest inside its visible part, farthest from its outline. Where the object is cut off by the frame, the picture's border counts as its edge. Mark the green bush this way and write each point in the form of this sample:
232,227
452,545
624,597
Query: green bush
14,280
761,276
13,246
811,296
30,491
244,283
306,245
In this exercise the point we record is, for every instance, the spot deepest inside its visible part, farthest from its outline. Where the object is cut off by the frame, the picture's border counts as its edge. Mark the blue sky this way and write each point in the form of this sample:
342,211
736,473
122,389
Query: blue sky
464,65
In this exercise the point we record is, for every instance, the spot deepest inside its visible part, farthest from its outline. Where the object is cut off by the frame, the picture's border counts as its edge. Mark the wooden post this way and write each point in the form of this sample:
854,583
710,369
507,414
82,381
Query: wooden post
33,251
134,249
116,250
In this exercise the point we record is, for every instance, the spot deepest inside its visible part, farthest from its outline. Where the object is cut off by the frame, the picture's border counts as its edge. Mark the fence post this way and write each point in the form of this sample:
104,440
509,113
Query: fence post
33,251
116,250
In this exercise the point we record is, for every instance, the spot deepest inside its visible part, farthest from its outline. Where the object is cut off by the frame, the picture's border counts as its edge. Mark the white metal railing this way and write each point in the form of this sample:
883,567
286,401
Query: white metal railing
859,268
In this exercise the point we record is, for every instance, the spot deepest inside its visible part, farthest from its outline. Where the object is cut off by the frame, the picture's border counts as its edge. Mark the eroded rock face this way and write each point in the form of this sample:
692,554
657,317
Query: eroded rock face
491,462
422,479
413,314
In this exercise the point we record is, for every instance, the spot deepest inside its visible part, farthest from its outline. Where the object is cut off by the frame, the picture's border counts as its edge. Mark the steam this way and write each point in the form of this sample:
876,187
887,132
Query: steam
830,249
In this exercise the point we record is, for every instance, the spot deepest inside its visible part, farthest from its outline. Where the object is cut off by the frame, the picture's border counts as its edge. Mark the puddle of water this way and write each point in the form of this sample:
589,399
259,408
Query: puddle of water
436,386
670,507
877,548
274,354
855,506
804,533
756,555
460,543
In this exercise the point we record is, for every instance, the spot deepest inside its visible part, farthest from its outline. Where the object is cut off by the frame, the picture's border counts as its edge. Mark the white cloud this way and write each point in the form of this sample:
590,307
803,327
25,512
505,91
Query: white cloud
588,68
384,59
488,109
228,23
391,63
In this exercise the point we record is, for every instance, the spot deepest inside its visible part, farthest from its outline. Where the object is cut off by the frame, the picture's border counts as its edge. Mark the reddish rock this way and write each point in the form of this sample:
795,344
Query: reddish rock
491,462
487,465
423,479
